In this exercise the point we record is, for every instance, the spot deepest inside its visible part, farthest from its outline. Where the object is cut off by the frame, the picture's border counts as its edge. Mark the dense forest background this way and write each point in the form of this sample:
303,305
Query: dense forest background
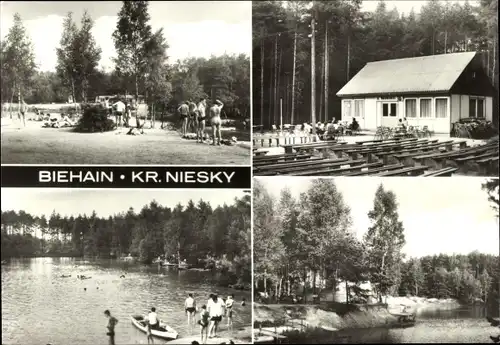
194,232
142,67
282,48
306,245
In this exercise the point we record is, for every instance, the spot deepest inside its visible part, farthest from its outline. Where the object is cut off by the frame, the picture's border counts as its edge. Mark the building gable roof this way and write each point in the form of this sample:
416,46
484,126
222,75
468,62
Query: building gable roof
435,73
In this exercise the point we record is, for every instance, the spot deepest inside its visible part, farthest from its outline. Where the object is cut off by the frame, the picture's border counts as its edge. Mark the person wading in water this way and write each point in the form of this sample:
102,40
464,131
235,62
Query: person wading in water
112,321
190,308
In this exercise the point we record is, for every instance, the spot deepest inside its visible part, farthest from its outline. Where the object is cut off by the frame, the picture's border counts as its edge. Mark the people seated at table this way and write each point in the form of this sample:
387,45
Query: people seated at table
354,125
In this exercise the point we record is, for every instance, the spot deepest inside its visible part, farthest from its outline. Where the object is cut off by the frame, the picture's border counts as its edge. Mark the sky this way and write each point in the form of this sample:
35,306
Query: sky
439,215
70,202
405,6
192,29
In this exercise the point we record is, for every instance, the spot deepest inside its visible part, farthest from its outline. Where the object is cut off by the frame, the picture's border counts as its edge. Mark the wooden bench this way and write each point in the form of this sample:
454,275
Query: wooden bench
260,153
287,164
437,160
289,148
471,161
382,148
448,171
324,163
376,170
352,166
263,160
488,166
408,171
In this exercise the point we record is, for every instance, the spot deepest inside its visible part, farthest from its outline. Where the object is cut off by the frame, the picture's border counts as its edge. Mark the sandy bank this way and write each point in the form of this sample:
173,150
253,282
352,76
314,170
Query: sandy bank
341,316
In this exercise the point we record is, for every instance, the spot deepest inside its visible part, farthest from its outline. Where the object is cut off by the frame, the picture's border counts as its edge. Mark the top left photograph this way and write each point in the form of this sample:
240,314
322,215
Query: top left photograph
126,83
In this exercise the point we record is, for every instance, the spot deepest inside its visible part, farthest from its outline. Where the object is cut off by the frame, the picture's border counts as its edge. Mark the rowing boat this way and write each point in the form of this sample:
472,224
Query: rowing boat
164,332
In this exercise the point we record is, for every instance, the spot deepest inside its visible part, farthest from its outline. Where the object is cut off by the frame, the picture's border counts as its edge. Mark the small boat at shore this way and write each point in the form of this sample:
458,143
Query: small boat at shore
184,266
405,319
165,332
166,264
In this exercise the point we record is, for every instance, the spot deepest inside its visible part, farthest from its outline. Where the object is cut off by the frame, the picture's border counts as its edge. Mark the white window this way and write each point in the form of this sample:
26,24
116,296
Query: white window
476,107
359,108
425,107
348,108
411,107
441,108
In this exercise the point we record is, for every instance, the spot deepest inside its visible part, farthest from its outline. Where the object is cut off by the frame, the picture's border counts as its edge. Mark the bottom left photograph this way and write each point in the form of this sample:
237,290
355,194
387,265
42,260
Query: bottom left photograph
126,266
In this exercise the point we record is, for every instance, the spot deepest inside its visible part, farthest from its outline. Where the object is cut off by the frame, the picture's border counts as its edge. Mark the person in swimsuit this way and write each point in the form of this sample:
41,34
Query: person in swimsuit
192,116
112,321
119,110
203,322
190,308
216,310
22,112
200,120
184,112
229,312
215,121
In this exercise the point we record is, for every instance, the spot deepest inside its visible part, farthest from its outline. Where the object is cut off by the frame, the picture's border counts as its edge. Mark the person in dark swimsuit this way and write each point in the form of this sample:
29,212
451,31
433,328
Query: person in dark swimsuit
112,321
203,322
190,308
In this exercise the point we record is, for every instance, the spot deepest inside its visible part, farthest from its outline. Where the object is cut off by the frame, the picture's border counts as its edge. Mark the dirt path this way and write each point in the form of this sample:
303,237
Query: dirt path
36,145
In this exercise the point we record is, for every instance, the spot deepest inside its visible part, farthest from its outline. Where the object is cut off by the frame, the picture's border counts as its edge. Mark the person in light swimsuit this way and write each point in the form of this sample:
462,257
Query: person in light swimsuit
200,120
184,113
190,308
215,121
229,312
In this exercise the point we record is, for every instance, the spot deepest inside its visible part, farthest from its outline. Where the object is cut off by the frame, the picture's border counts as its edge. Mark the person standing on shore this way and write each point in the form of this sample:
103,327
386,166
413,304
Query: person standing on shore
112,321
216,310
229,312
190,309
203,322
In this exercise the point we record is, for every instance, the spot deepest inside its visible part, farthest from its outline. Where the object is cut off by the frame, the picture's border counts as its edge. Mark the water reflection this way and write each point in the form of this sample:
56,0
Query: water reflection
40,307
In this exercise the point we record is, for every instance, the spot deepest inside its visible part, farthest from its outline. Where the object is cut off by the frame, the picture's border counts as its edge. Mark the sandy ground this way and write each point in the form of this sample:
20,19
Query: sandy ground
36,145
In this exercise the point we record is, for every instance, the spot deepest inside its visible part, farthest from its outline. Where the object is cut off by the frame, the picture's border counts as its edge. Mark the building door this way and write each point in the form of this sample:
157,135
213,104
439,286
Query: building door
390,114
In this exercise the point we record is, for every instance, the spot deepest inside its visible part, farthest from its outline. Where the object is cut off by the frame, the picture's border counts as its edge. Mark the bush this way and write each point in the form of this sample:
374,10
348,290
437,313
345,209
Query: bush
94,119
474,129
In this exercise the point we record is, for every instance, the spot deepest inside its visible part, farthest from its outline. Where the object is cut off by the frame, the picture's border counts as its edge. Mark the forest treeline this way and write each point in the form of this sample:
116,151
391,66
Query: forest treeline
282,48
305,245
141,67
193,232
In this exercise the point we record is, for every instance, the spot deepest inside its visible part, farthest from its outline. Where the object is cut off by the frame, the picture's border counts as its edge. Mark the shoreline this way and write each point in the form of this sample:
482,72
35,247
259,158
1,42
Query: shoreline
338,316
238,286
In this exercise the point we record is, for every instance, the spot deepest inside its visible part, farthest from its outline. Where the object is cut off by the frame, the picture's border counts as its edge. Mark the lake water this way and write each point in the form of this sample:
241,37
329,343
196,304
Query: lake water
465,325
40,307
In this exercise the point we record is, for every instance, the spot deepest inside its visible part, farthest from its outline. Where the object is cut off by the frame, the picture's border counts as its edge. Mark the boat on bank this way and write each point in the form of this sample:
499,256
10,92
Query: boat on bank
405,319
164,332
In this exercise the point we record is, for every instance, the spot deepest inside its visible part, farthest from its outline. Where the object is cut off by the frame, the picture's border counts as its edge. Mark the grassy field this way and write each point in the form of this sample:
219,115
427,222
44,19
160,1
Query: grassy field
36,145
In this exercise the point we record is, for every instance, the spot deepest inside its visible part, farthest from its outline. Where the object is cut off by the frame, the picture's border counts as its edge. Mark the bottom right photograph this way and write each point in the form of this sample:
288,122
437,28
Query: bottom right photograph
376,260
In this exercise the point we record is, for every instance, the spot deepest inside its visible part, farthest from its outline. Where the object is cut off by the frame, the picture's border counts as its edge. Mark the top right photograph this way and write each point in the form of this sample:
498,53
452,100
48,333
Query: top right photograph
375,88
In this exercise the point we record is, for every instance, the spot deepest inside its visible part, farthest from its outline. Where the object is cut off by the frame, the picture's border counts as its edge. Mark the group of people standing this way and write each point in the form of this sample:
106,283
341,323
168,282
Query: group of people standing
194,116
211,314
121,110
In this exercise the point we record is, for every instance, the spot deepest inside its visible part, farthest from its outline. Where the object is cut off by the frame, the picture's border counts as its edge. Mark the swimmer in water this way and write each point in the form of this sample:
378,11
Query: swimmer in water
215,121
200,120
